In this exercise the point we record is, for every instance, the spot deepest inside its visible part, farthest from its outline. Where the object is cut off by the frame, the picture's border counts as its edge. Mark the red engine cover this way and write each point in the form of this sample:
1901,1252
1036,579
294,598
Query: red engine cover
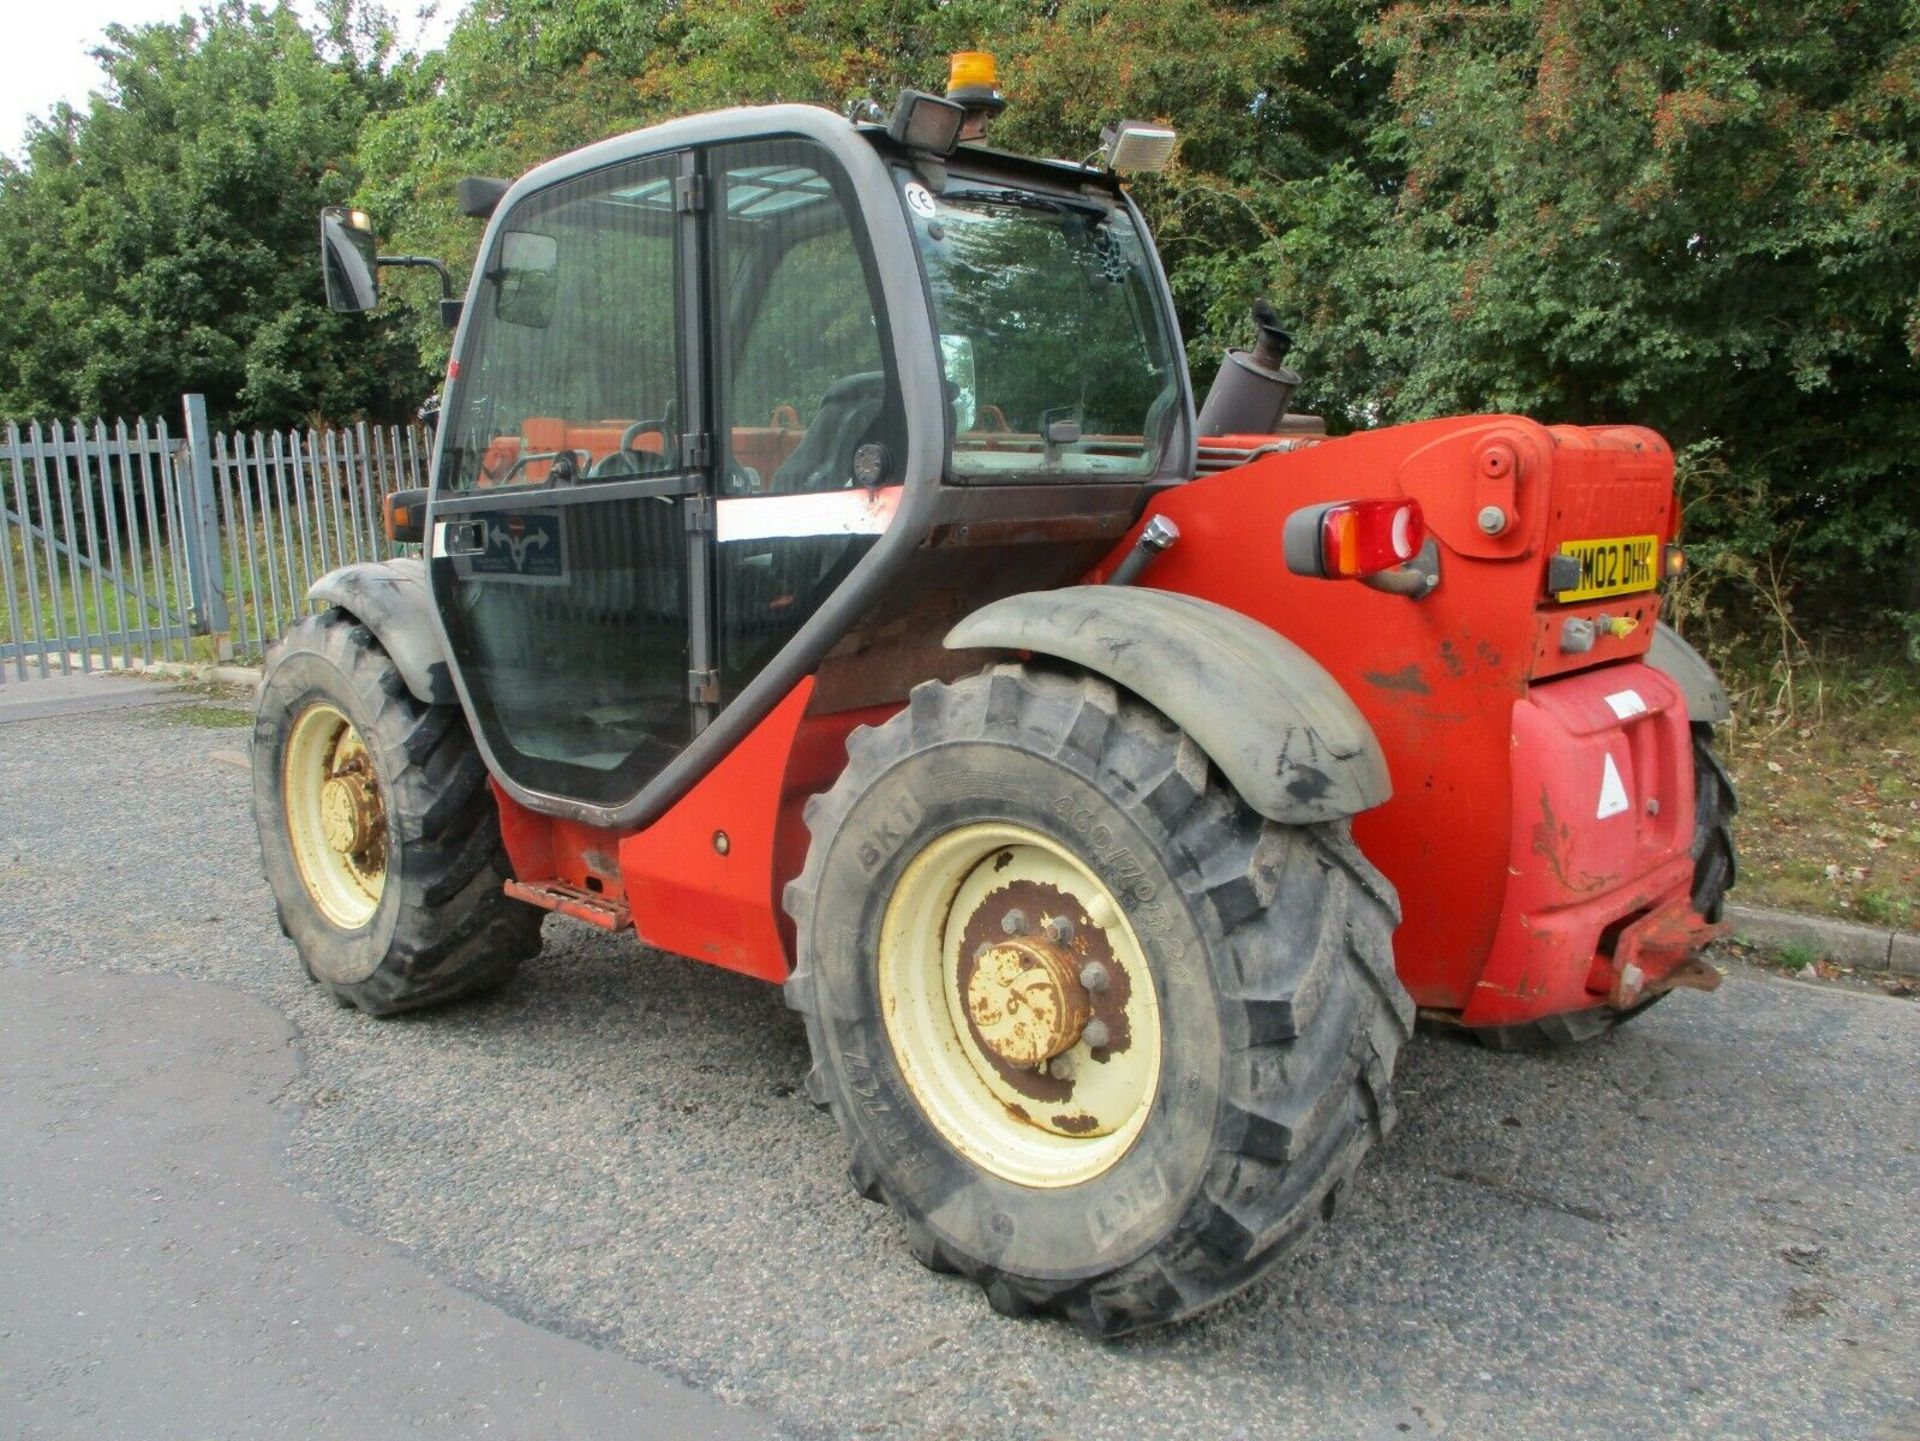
1446,682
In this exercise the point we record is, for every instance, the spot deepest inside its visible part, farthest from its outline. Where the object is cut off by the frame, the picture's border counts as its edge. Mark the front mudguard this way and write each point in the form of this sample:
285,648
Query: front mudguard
392,599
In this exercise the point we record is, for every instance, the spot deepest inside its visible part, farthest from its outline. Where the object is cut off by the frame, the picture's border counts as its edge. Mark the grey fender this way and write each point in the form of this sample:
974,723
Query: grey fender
1687,668
392,599
1281,730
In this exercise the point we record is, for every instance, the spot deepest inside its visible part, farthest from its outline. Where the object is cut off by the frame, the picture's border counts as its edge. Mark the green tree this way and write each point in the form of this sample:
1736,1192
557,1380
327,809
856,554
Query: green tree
1698,218
164,239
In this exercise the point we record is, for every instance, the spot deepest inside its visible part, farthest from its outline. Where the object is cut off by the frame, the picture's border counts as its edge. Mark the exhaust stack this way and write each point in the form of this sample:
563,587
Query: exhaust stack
1252,390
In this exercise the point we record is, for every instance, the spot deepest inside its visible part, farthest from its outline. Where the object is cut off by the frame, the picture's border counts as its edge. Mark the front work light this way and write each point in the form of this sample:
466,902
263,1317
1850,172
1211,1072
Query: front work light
1134,147
1351,539
926,122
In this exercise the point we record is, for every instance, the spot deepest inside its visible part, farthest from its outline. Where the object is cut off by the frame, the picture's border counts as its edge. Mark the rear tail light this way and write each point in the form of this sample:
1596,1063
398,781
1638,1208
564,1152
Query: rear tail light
1353,538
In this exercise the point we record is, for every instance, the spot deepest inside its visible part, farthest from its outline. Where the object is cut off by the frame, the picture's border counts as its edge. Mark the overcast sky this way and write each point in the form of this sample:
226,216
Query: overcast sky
44,57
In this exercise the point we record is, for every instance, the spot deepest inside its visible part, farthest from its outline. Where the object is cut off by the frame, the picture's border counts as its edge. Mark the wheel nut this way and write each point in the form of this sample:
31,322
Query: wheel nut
1094,977
1014,923
1058,928
1095,1034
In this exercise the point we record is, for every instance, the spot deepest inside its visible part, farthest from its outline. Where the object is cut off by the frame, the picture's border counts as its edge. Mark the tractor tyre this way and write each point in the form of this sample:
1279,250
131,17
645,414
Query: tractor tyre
1714,868
1107,1041
379,835
1715,864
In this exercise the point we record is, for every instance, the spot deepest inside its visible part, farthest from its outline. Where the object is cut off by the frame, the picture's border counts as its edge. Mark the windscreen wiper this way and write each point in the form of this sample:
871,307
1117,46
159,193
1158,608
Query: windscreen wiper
1031,200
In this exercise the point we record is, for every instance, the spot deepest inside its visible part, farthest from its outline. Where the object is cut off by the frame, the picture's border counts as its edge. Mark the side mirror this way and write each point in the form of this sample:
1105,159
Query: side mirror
529,265
347,259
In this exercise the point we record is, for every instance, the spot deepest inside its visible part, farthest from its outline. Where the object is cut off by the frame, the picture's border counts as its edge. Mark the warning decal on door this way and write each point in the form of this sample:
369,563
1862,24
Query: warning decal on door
525,546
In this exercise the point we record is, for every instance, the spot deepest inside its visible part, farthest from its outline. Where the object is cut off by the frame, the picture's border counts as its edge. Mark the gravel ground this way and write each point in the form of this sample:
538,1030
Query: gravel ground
1702,1226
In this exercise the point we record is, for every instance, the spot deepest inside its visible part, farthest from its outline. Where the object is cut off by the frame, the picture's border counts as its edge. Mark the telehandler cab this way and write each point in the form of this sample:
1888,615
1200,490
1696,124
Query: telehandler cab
826,576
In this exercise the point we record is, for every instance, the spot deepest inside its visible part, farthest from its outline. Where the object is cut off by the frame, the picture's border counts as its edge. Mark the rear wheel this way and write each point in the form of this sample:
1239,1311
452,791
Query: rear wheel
1714,869
1107,1041
379,836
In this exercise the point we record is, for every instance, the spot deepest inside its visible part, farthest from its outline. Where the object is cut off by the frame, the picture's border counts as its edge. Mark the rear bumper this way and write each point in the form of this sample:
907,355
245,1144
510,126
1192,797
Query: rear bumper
1597,909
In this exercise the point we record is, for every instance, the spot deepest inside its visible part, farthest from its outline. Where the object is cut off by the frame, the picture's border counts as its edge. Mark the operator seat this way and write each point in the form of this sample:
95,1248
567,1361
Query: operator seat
823,460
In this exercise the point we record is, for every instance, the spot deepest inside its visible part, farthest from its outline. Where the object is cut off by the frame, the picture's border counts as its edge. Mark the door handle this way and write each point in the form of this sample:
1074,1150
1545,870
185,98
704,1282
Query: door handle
464,537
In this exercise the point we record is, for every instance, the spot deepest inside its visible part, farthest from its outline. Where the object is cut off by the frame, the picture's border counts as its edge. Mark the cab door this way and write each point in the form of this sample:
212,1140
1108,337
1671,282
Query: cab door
811,426
567,568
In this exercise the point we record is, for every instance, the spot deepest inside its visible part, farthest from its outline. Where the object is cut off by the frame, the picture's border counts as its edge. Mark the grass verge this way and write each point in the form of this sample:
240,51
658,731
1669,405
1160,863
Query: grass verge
1825,751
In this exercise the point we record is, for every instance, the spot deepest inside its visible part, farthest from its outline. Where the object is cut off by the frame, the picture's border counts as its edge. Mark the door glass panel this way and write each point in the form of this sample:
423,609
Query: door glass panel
566,593
809,397
571,360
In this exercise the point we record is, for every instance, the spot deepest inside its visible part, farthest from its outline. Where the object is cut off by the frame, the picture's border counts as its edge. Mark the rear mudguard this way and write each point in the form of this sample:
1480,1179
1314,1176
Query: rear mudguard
391,598
1683,665
1280,729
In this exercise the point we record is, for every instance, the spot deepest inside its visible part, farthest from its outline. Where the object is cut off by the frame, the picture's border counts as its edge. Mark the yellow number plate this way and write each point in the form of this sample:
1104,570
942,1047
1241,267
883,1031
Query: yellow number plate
1618,566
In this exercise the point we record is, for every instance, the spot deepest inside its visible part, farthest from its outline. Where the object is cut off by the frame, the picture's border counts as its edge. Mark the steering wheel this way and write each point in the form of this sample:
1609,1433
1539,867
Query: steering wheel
535,457
626,460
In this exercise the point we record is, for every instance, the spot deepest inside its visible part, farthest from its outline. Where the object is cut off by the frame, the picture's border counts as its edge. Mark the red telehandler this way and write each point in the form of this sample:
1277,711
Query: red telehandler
826,575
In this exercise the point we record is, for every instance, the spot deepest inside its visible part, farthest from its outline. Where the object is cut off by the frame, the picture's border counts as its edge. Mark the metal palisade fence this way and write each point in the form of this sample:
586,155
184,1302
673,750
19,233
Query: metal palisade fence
126,544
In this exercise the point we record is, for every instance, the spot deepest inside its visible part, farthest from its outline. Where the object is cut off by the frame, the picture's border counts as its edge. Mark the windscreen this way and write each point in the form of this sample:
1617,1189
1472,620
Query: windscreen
1053,337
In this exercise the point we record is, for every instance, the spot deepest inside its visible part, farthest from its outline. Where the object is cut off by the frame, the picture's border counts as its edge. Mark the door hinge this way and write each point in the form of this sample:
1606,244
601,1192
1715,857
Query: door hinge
696,450
689,193
699,514
703,687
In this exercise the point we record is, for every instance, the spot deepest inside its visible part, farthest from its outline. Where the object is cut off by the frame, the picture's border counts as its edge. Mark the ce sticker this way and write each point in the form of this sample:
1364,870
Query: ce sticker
920,200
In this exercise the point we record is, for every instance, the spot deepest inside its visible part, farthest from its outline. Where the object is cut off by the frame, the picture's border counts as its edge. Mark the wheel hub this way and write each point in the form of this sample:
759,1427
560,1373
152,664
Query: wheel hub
1019,1004
1025,1001
349,813
336,822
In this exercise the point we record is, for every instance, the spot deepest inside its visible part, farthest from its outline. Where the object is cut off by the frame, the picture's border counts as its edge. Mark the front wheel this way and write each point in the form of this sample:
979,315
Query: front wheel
379,836
1106,1040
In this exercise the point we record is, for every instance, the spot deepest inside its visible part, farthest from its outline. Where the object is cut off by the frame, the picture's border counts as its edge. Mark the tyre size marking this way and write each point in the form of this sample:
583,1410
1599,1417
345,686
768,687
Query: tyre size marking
1121,1210
1123,871
863,1083
908,1165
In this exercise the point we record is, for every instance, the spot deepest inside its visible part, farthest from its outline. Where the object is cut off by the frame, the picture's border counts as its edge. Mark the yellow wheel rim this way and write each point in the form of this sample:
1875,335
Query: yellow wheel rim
335,816
1019,1005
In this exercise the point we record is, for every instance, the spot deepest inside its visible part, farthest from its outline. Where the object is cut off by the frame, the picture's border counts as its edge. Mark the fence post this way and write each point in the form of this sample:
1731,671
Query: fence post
205,584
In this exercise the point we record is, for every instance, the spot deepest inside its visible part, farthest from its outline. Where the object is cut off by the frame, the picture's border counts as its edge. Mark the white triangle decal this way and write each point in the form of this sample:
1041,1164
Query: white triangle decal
1613,793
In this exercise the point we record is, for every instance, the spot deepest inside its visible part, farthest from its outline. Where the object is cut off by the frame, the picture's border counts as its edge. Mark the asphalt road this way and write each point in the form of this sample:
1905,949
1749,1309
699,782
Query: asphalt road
1702,1226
